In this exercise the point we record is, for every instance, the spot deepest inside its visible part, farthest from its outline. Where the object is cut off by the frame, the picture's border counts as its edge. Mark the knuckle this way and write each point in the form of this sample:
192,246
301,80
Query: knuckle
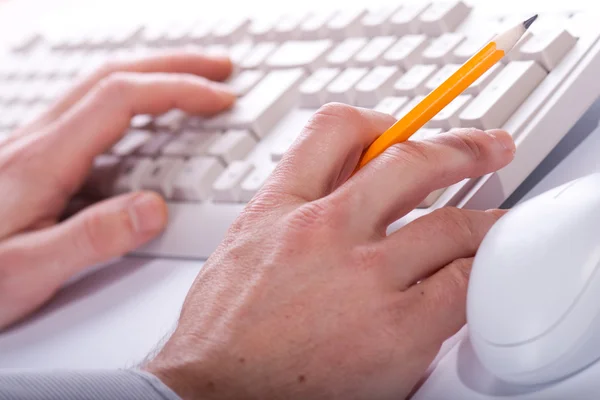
109,67
459,272
92,240
115,85
468,141
107,235
334,113
370,256
454,223
317,215
410,152
452,288
339,110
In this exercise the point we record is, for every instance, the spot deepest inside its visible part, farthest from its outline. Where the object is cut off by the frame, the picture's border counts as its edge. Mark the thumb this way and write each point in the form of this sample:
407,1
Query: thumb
106,230
33,266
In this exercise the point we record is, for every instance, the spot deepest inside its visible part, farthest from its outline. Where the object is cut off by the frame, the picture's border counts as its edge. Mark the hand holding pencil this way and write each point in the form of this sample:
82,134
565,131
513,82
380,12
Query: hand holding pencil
452,87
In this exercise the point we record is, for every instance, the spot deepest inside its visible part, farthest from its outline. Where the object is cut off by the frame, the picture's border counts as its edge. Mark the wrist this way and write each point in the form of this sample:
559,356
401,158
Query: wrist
194,375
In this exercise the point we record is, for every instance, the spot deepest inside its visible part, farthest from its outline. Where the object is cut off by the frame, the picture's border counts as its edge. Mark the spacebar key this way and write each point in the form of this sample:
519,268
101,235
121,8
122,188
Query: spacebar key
263,106
194,230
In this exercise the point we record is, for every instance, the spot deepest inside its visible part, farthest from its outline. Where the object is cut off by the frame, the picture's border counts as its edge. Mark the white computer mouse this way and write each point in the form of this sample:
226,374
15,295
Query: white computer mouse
533,302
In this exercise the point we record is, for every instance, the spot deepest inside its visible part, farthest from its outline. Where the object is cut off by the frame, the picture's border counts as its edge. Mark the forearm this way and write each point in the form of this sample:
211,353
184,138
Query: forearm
82,384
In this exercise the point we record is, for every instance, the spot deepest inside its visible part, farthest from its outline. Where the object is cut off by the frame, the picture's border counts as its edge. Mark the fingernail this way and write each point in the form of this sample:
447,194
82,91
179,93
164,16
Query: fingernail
504,138
496,212
148,213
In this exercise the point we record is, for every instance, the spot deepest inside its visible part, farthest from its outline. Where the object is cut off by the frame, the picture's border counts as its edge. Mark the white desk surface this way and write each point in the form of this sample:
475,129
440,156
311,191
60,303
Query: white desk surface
115,316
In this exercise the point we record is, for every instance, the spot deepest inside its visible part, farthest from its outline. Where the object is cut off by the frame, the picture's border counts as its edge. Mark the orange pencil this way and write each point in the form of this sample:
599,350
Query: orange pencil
440,97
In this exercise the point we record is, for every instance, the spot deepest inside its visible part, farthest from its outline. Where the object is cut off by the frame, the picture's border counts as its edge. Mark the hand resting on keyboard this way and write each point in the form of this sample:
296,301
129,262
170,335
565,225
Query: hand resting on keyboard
44,163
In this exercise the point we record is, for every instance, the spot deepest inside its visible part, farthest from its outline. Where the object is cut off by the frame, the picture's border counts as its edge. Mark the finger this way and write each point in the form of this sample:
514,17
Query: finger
35,265
328,149
428,243
400,178
99,233
440,302
99,120
179,62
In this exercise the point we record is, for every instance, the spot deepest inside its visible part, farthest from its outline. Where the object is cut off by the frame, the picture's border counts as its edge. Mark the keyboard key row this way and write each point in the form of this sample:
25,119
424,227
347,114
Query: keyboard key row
490,108
185,180
424,17
547,48
266,98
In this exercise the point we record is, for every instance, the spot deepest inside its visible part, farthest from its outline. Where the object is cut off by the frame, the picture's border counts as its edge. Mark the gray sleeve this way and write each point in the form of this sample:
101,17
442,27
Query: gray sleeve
82,385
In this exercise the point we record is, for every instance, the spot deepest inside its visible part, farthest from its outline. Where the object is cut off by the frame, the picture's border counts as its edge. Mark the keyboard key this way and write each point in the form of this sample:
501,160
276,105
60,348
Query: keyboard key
390,105
32,112
413,81
239,51
190,144
193,181
153,146
300,54
131,142
29,93
141,121
341,89
377,22
243,82
257,56
255,181
312,90
449,116
549,48
200,32
261,28
501,98
159,176
315,26
171,120
227,186
287,27
282,145
232,145
343,52
469,47
480,84
103,174
130,175
407,51
440,50
346,24
174,34
219,50
230,31
409,106
443,17
370,54
376,85
406,20
440,76
264,105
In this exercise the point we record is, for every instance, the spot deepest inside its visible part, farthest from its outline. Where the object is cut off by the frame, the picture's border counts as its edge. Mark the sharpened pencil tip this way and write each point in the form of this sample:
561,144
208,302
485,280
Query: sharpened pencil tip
528,22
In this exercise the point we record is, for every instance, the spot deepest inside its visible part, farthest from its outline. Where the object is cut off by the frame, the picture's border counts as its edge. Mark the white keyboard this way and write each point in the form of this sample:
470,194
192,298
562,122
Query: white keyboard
286,68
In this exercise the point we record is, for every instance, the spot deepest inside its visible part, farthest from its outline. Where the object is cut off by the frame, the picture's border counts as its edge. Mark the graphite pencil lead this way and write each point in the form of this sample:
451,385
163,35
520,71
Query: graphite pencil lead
528,22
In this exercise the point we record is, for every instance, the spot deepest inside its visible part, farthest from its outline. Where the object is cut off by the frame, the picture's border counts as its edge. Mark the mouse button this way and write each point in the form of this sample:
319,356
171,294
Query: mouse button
572,343
523,283
585,187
